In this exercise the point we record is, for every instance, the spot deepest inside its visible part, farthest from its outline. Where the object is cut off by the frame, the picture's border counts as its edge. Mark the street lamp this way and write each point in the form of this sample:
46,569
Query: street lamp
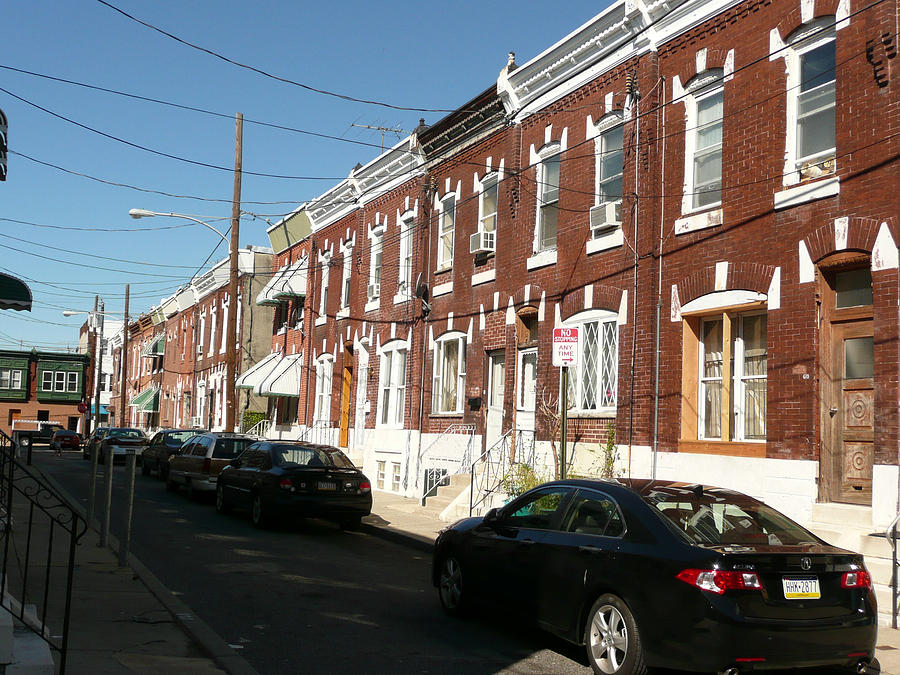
231,328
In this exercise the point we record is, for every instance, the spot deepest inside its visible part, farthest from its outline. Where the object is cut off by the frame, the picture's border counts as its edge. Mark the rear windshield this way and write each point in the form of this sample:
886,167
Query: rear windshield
229,448
176,438
288,456
126,433
716,518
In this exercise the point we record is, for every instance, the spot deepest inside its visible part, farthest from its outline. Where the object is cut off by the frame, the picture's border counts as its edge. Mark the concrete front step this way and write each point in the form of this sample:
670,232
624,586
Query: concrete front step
845,515
31,655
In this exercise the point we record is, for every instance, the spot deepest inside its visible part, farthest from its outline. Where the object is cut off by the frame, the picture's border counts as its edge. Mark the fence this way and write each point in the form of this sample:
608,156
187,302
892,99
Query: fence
40,530
438,465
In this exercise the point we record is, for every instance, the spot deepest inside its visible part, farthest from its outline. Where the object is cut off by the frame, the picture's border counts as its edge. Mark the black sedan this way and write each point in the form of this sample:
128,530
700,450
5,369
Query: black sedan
300,479
661,574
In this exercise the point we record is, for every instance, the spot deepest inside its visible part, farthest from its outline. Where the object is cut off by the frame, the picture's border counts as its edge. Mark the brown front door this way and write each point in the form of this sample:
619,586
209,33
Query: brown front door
346,388
848,387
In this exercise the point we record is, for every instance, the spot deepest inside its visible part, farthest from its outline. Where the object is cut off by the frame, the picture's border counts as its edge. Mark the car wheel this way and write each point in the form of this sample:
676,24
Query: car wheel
222,505
450,587
25,442
258,515
611,638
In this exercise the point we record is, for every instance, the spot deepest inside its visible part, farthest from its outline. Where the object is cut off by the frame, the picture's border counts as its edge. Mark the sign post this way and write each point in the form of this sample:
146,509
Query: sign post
565,354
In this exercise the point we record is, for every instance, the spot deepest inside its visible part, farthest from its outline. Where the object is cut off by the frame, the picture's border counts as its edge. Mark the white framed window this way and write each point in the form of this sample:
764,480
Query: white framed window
345,276
548,198
446,231
487,203
704,104
212,330
226,306
380,467
10,378
593,383
395,476
449,375
610,164
59,380
746,361
324,372
71,382
392,385
325,262
811,101
376,248
201,333
404,280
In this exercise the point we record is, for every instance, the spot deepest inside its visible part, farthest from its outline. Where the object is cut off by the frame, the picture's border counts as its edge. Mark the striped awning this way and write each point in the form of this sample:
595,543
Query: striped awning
156,347
146,401
288,282
258,372
284,379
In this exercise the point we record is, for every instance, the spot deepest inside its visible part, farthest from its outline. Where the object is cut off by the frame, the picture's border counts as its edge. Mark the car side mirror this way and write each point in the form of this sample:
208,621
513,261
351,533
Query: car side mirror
236,464
492,516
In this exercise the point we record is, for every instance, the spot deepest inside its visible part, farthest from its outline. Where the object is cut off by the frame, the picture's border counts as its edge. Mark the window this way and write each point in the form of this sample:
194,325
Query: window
380,474
72,382
449,374
395,476
548,199
201,335
404,278
593,382
212,331
10,379
527,379
447,230
287,407
707,159
745,359
325,261
59,380
610,166
345,276
324,369
374,290
392,386
487,204
595,513
539,510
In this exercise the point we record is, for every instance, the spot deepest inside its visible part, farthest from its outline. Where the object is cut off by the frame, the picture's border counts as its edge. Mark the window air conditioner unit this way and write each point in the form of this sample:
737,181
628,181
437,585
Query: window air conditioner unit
604,217
374,290
482,242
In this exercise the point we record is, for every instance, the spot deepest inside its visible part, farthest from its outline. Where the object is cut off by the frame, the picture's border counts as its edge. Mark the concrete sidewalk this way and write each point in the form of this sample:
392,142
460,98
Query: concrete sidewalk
125,621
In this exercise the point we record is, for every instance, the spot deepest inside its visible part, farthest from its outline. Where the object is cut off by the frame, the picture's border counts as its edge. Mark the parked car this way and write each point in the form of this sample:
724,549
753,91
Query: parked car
300,479
163,444
92,443
197,463
661,574
121,440
42,433
63,439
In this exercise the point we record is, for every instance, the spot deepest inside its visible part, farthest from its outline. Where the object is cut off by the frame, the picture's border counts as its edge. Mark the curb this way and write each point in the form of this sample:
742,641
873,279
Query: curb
198,630
418,542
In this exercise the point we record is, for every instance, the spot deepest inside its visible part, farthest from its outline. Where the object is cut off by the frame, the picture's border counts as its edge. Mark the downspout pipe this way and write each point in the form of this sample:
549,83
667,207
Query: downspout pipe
659,299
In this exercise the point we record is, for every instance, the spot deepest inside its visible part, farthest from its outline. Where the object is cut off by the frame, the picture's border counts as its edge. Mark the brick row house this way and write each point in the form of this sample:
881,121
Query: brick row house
701,188
176,350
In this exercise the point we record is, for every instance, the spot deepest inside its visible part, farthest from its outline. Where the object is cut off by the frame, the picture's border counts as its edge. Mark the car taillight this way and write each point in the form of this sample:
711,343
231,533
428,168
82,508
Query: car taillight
207,462
286,484
719,581
365,486
856,579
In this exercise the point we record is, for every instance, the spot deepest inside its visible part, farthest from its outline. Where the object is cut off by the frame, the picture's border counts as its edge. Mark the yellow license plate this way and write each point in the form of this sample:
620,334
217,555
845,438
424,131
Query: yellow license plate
801,588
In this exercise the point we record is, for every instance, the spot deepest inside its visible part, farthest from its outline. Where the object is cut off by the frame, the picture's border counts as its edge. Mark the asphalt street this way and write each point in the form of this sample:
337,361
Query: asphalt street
309,596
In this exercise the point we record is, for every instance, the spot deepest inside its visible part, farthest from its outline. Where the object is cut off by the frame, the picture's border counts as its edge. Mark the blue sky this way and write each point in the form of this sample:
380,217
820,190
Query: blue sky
70,236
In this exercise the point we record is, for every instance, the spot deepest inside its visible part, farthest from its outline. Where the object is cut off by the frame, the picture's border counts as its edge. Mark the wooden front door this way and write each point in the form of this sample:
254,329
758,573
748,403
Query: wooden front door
495,397
346,388
847,387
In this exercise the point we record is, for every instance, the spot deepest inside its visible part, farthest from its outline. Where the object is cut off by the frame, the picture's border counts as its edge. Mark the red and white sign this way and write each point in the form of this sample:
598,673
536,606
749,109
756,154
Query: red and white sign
82,407
565,347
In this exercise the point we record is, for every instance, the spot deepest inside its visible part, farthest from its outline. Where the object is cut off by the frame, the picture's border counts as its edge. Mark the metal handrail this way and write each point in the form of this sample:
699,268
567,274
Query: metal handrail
38,508
891,534
319,428
491,475
260,429
434,476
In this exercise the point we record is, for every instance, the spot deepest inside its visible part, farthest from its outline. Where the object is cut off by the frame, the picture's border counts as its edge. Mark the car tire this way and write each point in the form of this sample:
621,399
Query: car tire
451,590
25,442
258,515
222,505
611,638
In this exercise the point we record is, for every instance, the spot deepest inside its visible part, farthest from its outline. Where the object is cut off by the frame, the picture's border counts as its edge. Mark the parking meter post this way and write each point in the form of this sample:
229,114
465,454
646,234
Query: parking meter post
125,542
108,476
93,497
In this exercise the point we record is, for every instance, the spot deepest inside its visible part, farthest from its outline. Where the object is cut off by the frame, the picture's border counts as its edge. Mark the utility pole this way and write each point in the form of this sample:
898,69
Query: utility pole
98,371
123,394
231,330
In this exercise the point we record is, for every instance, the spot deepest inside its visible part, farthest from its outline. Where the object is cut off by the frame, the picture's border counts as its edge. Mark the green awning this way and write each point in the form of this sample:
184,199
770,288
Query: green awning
146,401
157,346
14,293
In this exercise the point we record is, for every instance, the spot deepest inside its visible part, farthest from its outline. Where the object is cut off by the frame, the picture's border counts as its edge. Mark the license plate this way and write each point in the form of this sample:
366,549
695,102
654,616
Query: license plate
801,589
327,485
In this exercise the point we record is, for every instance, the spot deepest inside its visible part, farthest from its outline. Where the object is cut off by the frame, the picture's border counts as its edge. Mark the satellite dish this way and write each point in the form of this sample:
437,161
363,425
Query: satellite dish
421,288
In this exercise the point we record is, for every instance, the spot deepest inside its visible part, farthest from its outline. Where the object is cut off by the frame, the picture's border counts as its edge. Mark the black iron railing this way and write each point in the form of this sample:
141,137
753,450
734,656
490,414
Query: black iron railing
39,530
891,534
